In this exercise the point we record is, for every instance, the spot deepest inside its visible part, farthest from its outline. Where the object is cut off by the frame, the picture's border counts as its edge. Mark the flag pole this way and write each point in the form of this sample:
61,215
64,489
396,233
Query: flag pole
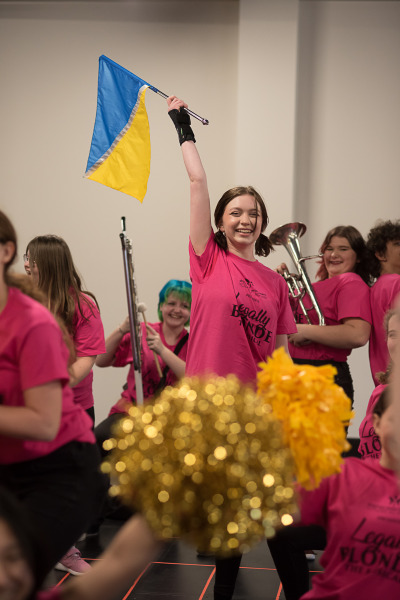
190,112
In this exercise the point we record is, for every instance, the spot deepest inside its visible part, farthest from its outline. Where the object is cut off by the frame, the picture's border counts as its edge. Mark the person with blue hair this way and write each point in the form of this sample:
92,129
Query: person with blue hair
164,342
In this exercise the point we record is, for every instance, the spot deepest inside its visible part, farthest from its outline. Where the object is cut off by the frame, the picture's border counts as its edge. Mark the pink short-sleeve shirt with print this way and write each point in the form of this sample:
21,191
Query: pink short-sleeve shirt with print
370,444
360,510
238,308
33,353
150,376
383,295
88,338
345,296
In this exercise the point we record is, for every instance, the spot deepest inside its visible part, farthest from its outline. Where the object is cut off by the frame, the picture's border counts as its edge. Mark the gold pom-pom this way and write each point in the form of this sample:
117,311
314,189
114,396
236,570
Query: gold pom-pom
313,411
205,461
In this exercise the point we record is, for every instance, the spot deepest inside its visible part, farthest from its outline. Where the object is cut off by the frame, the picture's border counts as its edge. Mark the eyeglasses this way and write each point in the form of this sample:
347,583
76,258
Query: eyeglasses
25,257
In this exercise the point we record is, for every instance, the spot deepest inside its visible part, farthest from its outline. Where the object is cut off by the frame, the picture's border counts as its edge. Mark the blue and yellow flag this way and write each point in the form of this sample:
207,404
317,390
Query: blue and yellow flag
120,152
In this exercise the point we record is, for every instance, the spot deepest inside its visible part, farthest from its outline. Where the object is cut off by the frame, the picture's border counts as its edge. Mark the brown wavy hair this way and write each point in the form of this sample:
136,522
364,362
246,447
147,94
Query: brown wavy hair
58,277
357,243
263,245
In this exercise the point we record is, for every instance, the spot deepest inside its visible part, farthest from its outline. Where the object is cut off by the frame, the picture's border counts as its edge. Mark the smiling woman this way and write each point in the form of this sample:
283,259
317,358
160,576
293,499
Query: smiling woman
345,251
342,293
339,257
231,288
160,339
241,310
241,217
163,355
241,221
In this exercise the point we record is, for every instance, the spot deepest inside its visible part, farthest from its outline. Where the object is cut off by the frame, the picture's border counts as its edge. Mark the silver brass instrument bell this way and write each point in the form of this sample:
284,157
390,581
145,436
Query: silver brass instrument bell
288,236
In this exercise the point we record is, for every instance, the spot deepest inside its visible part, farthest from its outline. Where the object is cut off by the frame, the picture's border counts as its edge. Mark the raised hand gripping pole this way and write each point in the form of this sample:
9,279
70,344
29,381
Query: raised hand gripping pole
190,112
131,294
141,308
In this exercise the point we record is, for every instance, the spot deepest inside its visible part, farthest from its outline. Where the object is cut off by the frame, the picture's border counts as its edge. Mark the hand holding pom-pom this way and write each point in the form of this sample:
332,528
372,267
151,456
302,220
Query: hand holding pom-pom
313,411
206,461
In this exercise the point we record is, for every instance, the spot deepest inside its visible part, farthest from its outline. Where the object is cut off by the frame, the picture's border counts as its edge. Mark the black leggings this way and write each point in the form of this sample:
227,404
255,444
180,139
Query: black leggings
103,431
226,572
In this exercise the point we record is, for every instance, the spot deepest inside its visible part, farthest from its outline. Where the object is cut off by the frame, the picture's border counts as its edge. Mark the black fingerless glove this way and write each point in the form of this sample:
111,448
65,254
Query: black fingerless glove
181,120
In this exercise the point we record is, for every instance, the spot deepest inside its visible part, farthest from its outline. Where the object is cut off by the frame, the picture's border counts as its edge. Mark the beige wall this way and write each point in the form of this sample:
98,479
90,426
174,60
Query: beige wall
48,102
302,99
348,129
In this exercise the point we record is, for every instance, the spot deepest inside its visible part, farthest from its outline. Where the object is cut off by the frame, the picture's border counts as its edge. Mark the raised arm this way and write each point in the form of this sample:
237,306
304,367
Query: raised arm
200,215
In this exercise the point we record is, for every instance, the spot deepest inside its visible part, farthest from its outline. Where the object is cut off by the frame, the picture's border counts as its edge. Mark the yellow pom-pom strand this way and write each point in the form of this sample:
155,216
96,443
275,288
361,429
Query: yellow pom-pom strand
313,411
206,462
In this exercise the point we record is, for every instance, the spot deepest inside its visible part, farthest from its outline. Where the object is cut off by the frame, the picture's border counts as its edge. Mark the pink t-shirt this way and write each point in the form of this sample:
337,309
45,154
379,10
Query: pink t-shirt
150,376
88,340
342,297
360,510
383,294
238,308
33,353
370,444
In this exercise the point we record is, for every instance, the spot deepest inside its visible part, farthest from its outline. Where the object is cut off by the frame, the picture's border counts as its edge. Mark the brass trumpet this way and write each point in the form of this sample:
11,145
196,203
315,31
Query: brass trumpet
288,236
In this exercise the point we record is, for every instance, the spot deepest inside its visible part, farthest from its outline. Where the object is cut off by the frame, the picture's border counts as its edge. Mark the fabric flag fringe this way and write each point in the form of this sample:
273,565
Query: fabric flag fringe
120,150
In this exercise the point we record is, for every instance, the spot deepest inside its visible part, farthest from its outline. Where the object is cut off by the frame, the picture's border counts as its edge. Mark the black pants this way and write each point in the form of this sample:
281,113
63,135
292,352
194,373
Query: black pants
288,553
90,412
226,572
342,378
103,431
60,492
